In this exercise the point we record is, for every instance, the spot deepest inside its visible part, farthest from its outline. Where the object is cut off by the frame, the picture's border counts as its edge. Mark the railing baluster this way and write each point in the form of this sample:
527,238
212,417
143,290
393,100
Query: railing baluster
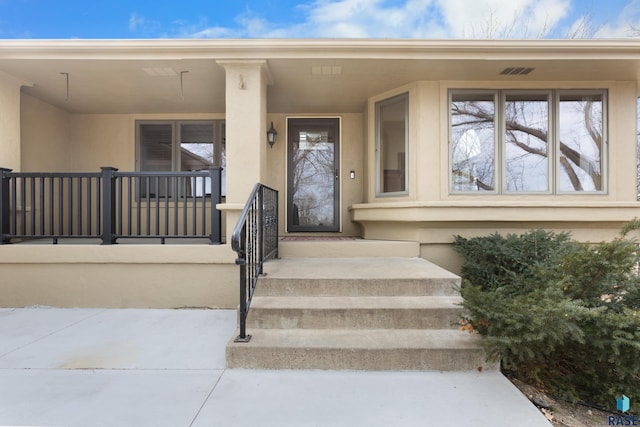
90,213
176,198
184,206
43,209
157,203
79,208
130,207
70,207
203,209
60,206
23,201
32,197
194,206
51,206
14,204
148,203
138,181
166,205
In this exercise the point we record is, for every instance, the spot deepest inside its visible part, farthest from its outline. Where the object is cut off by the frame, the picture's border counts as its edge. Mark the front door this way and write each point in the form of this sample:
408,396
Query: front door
313,199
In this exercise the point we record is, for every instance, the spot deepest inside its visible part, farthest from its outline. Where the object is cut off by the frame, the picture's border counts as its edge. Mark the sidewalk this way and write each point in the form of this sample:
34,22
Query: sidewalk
98,367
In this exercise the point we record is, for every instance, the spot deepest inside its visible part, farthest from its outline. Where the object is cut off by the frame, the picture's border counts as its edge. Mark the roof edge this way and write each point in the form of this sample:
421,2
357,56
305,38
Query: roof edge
321,48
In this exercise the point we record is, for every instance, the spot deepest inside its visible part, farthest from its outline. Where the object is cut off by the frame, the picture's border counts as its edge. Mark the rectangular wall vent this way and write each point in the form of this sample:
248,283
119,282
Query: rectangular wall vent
516,71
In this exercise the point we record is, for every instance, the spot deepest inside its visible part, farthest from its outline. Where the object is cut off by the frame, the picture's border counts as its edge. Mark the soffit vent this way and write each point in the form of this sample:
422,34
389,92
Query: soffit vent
326,70
160,71
516,71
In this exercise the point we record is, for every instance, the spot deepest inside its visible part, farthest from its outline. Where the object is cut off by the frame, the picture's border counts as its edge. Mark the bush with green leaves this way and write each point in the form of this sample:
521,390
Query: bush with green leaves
559,314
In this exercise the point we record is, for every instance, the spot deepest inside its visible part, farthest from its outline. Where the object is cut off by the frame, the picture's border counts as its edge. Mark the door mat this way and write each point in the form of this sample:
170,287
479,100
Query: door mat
323,238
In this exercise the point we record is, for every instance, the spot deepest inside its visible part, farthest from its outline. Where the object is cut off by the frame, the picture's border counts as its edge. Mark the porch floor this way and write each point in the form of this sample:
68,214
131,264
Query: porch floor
141,367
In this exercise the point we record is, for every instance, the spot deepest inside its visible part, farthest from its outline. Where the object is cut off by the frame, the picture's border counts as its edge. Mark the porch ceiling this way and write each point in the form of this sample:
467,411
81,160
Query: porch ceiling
310,76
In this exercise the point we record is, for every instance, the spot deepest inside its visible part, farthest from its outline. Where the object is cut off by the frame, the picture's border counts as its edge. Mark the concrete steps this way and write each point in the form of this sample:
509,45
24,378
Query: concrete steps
347,248
357,313
425,312
371,350
356,277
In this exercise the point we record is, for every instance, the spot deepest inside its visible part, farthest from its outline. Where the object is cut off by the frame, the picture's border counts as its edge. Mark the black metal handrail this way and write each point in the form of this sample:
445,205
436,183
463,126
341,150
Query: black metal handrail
255,240
110,205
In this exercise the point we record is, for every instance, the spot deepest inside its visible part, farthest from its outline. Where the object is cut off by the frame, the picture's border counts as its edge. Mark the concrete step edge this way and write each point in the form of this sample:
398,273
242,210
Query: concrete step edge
440,339
356,302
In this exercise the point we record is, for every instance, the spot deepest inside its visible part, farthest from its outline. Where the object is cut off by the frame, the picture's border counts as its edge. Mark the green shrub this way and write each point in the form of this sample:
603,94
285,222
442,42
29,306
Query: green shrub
559,314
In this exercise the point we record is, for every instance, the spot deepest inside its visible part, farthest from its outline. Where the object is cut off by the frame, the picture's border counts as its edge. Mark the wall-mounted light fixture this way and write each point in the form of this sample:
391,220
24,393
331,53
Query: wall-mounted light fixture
272,133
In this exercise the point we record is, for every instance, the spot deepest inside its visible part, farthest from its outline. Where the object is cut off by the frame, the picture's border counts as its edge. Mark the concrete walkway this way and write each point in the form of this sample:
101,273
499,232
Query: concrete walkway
97,367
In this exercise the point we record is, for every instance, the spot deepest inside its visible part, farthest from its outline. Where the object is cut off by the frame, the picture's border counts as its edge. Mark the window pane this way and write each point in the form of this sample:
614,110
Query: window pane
156,141
472,142
196,147
580,142
392,144
313,191
526,148
197,153
155,147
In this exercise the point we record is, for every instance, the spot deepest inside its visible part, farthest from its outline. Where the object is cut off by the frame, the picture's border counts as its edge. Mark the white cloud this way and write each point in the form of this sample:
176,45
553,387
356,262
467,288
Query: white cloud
135,20
410,19
626,25
500,19
348,18
141,24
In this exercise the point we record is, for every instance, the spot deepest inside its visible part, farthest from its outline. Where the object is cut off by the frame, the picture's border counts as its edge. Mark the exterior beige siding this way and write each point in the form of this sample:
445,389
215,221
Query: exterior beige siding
142,276
45,139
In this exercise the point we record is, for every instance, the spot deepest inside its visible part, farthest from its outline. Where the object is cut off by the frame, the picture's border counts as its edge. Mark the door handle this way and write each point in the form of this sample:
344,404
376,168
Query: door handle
337,174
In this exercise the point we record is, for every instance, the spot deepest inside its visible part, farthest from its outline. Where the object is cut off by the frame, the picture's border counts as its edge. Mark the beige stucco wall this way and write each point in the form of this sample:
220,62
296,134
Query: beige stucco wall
9,122
102,140
142,276
46,141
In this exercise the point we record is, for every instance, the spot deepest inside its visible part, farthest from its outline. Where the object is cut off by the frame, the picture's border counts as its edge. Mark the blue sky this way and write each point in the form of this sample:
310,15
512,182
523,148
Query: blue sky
42,19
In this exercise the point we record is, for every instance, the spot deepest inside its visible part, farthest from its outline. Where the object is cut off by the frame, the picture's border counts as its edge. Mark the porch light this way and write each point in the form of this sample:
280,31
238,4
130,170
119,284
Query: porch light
271,135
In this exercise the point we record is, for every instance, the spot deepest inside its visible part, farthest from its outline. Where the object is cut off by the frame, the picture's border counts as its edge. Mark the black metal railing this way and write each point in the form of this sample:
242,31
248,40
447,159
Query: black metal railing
255,240
110,205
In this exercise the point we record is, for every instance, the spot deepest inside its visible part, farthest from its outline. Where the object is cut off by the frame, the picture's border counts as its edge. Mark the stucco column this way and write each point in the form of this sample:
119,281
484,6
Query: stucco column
10,122
246,127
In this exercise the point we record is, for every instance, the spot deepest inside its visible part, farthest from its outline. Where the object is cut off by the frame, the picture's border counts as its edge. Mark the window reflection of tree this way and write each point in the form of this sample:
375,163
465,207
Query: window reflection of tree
580,142
313,175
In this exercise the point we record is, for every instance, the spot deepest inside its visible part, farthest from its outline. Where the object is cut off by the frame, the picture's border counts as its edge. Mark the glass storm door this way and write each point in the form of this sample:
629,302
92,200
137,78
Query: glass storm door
313,175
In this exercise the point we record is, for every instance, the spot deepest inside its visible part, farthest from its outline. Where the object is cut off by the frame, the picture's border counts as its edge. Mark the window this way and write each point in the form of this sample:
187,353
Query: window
181,146
391,144
538,142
